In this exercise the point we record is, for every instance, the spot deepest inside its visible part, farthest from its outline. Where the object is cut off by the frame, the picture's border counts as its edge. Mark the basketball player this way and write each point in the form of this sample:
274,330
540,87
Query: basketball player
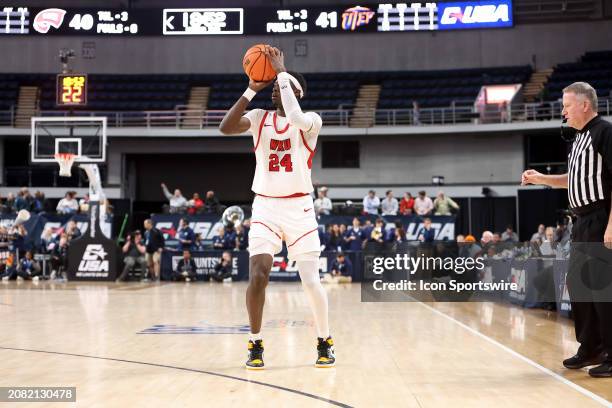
284,145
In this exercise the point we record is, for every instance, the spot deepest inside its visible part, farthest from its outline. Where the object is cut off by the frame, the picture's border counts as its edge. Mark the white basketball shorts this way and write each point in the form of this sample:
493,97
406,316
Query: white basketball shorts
275,220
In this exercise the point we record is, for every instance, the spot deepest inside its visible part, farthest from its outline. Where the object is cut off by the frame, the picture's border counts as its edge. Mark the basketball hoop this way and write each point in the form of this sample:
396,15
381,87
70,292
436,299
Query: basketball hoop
65,161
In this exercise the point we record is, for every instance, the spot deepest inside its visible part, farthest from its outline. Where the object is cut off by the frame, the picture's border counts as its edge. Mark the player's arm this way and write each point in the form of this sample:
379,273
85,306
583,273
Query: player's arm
308,122
233,122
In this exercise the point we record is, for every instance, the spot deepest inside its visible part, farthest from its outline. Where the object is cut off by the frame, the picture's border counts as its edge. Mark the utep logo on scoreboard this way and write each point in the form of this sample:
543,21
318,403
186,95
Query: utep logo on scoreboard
475,14
356,17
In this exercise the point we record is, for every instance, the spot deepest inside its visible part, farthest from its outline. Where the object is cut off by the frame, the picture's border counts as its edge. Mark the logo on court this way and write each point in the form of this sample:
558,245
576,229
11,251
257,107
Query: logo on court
93,260
208,328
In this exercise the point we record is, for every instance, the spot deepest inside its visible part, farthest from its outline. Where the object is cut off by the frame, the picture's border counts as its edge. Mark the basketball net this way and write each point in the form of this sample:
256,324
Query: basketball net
65,161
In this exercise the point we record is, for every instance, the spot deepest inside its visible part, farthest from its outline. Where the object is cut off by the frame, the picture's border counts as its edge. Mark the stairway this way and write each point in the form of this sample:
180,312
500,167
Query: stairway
365,106
27,106
198,101
536,83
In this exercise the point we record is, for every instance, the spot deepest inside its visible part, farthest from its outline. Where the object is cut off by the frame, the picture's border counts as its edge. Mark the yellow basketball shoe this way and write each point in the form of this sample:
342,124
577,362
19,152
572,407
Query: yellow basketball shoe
255,361
325,349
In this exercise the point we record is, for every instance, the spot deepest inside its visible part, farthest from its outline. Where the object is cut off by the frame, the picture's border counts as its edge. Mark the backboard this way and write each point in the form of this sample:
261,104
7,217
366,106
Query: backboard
84,137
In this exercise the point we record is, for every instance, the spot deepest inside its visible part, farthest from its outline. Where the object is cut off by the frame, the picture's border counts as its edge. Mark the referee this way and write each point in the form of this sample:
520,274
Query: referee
589,184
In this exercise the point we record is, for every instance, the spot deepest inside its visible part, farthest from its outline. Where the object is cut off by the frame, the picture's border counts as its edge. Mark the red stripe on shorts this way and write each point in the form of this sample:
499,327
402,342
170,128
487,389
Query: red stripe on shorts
302,237
258,222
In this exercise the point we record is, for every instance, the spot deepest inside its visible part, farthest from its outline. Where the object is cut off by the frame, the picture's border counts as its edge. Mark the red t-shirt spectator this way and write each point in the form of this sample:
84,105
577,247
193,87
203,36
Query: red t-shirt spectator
407,204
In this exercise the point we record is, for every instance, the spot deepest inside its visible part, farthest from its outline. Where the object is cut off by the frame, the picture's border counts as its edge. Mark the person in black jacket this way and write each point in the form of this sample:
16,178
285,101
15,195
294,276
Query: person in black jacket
186,268
154,242
223,269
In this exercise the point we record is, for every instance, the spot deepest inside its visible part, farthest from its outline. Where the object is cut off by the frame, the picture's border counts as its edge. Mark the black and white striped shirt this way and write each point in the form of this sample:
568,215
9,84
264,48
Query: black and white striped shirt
589,161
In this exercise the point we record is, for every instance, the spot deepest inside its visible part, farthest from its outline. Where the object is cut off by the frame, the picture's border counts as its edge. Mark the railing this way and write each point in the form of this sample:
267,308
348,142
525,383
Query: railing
185,117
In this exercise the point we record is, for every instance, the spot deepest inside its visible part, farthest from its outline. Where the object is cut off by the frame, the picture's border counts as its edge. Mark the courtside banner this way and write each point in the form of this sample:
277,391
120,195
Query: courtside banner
475,14
56,222
208,225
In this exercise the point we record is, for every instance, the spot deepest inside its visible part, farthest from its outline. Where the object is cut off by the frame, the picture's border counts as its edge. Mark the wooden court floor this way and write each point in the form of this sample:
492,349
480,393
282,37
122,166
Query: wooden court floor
184,345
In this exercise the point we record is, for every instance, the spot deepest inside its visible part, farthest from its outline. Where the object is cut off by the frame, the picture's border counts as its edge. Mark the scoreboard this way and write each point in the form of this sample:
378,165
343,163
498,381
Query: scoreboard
71,90
366,18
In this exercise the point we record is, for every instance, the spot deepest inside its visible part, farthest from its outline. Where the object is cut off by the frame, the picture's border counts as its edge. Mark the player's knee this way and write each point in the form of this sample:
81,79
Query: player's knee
258,278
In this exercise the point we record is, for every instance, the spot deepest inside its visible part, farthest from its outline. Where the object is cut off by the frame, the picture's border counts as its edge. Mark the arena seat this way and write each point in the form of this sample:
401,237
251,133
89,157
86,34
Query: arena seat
594,67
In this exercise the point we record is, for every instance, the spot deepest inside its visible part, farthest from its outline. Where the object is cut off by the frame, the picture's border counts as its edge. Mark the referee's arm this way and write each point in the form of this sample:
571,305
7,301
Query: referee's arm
551,180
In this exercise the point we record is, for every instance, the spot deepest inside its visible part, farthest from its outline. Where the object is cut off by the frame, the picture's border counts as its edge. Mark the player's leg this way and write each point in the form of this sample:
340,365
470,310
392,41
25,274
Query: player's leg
264,242
304,247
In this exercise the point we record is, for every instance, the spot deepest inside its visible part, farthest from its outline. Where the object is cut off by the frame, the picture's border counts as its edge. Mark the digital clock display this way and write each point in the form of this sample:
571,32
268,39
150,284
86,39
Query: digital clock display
71,89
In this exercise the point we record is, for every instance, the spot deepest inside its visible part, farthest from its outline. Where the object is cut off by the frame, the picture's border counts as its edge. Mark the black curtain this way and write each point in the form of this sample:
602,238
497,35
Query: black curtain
493,214
540,206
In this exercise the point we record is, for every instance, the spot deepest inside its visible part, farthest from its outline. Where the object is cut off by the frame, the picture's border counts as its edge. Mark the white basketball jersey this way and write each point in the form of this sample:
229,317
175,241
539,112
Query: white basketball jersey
284,155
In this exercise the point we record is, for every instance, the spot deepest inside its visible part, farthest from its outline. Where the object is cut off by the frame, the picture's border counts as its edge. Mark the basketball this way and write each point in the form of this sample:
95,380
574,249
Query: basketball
256,65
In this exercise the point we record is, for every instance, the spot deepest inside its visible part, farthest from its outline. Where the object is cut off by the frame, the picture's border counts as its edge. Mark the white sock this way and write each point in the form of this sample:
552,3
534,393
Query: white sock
254,337
317,297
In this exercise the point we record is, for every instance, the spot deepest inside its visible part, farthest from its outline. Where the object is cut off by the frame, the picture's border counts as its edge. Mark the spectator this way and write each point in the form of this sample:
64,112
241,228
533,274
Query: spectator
40,203
378,232
223,269
134,253
460,239
47,241
354,236
487,237
177,202
334,239
186,268
84,204
341,270
540,235
496,238
229,241
28,268
400,235
371,203
59,257
416,113
20,202
444,205
322,205
195,205
154,243
242,237
10,202
426,233
68,204
423,204
185,235
549,244
563,232
389,205
509,235
218,240
407,204
72,231
211,204
28,198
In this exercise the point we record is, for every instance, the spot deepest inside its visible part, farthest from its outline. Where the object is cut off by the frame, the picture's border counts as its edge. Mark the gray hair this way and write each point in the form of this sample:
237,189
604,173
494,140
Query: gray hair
583,89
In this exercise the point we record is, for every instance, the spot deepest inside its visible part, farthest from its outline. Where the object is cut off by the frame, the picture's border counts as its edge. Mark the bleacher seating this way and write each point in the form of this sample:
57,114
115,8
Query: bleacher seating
441,88
594,67
325,90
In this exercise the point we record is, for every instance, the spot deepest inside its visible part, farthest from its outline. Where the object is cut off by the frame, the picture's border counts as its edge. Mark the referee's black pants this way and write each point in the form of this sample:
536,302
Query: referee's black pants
589,282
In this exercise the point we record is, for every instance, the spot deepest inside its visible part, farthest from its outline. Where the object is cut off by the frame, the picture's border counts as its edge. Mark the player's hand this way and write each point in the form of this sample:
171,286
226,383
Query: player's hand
532,177
258,86
276,57
608,237
163,185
